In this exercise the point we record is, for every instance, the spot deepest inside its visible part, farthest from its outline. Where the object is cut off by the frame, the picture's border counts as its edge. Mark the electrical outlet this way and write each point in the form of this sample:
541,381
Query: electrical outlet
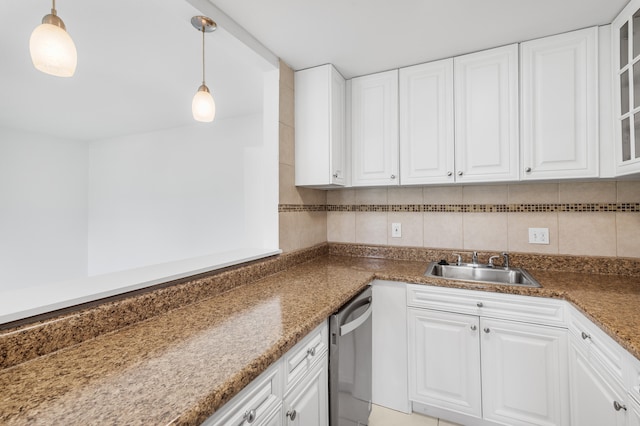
396,230
538,235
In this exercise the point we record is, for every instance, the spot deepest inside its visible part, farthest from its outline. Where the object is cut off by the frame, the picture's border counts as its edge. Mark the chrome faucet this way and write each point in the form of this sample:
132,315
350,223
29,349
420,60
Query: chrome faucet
490,264
459,261
474,258
505,261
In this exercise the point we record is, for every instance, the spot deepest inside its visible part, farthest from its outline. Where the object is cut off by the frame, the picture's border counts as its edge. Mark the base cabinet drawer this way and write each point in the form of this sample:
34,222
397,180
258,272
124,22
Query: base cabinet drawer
304,355
306,404
255,404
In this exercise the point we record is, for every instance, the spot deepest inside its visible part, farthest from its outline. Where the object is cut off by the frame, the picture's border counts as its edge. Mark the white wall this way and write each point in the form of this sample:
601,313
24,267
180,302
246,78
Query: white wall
171,194
43,209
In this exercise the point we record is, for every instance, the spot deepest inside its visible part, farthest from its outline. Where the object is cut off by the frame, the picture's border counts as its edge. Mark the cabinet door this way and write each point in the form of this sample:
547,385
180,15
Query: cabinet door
634,413
375,129
320,148
426,123
444,360
306,403
626,70
486,115
592,394
524,373
559,78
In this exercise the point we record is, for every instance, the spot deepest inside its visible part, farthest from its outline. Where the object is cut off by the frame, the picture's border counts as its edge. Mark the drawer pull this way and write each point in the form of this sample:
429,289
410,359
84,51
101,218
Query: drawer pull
291,414
311,351
249,416
474,328
619,406
479,304
487,330
585,336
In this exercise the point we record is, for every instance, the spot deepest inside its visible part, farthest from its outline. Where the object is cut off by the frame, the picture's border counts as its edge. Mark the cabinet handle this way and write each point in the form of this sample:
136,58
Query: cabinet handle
449,173
479,304
393,176
291,414
474,328
528,170
311,351
619,406
487,330
460,173
585,336
249,416
335,175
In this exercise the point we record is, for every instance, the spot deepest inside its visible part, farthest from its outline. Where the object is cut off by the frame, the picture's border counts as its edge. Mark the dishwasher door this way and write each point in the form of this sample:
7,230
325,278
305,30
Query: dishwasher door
350,362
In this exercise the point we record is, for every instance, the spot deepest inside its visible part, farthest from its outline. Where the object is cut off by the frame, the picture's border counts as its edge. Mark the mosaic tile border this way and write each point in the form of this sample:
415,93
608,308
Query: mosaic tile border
468,208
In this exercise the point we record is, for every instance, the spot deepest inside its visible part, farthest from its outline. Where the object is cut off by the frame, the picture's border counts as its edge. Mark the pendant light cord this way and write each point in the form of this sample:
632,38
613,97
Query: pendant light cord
202,53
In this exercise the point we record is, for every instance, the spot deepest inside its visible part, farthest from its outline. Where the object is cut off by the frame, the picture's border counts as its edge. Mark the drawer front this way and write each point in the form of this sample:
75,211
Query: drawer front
255,403
536,310
599,346
633,376
304,355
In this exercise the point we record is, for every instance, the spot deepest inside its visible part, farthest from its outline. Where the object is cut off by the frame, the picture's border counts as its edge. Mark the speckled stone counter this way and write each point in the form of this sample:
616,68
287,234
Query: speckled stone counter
182,365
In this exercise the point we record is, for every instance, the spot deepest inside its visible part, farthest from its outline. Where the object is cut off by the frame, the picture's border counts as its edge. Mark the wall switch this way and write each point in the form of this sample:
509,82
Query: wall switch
538,235
396,230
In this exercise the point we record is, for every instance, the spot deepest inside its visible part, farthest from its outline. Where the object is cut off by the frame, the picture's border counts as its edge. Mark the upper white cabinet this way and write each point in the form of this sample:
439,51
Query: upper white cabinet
486,115
559,106
374,115
320,142
626,88
426,123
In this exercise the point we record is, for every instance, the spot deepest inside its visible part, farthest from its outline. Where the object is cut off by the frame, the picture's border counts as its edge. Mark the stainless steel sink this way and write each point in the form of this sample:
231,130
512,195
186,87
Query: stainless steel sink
482,273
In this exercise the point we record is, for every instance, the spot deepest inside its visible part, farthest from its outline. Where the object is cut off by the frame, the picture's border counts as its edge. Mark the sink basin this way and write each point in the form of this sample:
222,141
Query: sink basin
482,274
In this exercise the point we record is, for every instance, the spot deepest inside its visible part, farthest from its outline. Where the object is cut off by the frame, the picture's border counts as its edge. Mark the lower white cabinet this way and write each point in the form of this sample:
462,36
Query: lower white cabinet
293,391
306,403
593,392
634,413
491,370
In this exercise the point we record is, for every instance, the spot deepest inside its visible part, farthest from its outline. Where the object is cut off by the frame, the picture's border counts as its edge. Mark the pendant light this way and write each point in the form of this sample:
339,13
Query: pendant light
52,49
202,106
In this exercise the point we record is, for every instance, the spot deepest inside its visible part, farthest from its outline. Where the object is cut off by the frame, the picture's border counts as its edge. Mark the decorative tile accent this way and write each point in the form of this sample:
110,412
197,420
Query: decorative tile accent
482,208
297,208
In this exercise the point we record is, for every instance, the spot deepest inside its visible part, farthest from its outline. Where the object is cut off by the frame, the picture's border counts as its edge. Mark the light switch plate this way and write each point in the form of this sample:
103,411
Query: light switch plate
396,230
538,235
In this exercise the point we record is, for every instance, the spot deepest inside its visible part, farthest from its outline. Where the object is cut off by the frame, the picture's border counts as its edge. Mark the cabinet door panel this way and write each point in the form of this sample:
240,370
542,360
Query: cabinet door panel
426,123
559,106
443,360
486,115
524,373
375,129
592,395
309,399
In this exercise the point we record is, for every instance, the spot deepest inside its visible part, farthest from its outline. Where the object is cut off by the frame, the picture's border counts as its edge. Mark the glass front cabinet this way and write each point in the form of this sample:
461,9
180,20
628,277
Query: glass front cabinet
626,66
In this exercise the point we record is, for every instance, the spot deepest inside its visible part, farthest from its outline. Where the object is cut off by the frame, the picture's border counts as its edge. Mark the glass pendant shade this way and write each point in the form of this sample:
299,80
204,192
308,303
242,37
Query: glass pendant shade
202,106
53,51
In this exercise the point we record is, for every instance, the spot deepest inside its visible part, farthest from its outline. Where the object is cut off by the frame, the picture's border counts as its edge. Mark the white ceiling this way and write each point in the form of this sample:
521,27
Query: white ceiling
365,36
139,65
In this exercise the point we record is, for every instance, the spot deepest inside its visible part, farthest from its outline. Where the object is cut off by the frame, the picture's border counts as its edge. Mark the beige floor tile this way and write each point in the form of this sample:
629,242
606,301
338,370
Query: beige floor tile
587,192
485,231
411,195
443,230
442,194
371,227
529,193
590,234
341,227
628,232
412,232
518,231
381,416
371,196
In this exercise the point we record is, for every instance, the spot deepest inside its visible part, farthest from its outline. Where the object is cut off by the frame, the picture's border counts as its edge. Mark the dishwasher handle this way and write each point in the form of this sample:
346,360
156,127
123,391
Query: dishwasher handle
350,326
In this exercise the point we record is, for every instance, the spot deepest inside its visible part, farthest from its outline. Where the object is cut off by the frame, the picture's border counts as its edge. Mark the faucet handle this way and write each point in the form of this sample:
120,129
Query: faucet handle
505,261
459,261
491,260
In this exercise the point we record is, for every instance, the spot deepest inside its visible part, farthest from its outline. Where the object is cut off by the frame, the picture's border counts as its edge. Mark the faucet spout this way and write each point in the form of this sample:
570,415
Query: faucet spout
474,259
505,262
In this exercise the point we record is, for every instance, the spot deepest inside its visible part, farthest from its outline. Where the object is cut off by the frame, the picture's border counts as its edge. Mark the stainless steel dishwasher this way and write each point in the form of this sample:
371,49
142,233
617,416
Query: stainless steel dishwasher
350,362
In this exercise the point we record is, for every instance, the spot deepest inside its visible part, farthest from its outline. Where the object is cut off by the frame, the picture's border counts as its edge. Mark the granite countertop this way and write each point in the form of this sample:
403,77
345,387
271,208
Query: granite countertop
181,366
